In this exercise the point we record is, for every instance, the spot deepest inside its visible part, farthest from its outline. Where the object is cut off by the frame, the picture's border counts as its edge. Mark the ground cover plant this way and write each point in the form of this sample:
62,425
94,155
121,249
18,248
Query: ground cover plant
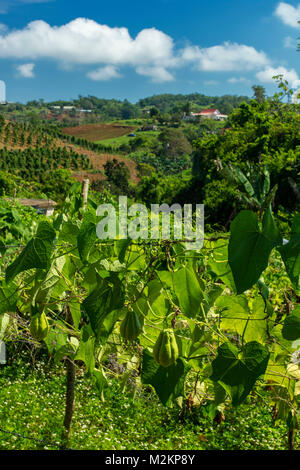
32,397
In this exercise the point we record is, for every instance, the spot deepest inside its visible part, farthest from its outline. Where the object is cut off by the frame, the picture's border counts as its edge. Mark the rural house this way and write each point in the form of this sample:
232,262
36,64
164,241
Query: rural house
207,114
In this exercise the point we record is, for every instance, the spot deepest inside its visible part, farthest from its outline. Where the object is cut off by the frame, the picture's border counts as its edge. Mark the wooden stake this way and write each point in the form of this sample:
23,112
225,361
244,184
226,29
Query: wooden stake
70,392
85,192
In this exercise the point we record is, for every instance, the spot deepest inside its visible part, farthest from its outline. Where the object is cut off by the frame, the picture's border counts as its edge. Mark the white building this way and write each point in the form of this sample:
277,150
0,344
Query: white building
207,114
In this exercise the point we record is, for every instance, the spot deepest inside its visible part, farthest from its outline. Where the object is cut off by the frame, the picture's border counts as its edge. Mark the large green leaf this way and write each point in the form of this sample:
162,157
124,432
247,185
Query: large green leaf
85,351
36,253
57,338
236,317
168,382
120,247
107,325
291,326
107,297
238,371
68,232
250,247
291,253
4,322
219,263
87,235
43,290
8,298
134,257
188,291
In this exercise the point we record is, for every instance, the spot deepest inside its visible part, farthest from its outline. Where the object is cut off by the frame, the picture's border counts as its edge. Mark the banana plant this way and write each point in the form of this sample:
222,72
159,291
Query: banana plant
255,188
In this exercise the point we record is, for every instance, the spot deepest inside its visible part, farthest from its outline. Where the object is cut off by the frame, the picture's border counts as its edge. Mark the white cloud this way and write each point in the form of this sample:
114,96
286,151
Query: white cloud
266,75
26,70
289,14
151,53
289,42
238,80
5,5
84,41
3,28
157,73
104,73
225,58
210,82
2,92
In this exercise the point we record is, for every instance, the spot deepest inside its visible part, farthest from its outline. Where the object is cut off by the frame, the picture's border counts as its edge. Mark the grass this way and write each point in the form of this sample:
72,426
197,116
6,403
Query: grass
115,141
32,404
125,139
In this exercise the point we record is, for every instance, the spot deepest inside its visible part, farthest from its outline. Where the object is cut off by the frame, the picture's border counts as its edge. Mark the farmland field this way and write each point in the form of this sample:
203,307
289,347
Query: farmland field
98,132
124,139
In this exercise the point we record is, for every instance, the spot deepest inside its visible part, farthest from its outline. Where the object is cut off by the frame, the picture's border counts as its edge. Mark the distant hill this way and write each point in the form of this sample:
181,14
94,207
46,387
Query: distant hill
168,103
93,109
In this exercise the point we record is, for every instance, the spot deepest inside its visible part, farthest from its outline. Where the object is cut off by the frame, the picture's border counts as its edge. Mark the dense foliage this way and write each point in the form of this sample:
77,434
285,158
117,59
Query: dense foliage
168,103
211,328
259,138
229,337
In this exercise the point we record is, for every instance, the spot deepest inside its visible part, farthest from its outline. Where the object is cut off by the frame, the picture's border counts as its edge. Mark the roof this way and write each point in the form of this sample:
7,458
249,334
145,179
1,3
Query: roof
41,203
209,111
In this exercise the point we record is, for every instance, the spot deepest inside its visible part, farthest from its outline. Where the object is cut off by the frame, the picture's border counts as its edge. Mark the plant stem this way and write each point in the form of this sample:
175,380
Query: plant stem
70,403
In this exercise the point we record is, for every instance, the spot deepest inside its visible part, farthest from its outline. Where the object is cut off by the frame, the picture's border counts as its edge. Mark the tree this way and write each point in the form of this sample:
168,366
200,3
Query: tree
57,183
259,93
6,184
186,107
117,174
265,134
154,112
128,110
174,143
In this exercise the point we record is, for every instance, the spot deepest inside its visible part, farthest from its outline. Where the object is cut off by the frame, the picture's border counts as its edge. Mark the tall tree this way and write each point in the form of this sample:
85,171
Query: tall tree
117,174
259,93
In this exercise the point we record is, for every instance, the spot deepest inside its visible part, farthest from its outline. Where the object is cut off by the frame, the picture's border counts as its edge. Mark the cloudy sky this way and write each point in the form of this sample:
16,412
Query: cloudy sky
64,48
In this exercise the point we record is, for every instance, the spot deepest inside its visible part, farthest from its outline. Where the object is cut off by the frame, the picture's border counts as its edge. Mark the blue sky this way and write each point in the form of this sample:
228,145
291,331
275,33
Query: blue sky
55,49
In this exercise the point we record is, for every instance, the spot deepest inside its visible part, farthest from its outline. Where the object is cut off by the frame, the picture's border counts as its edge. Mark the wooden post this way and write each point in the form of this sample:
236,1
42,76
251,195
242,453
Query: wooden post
291,439
70,392
85,191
